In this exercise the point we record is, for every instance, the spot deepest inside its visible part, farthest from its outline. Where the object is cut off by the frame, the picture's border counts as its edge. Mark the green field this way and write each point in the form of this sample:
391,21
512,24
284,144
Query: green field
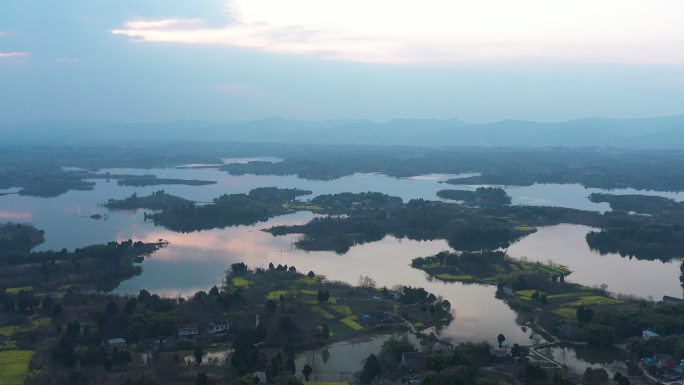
453,277
351,322
10,330
241,282
342,309
593,300
14,366
15,290
321,312
310,280
566,312
302,206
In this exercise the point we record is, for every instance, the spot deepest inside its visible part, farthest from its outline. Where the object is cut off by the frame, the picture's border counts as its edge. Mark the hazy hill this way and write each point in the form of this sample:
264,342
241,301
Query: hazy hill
662,132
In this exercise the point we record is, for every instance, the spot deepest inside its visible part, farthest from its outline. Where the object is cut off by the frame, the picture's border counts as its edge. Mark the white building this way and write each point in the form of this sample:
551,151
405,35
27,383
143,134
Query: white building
188,331
648,334
218,327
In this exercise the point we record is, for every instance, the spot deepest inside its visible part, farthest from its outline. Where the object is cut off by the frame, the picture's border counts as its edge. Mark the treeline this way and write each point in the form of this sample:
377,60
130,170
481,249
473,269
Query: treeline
482,196
97,267
38,170
158,200
344,202
641,204
19,238
258,205
599,168
644,241
465,228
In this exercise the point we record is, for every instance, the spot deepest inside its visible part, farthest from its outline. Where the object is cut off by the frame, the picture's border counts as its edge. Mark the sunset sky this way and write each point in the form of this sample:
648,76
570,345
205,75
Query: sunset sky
166,60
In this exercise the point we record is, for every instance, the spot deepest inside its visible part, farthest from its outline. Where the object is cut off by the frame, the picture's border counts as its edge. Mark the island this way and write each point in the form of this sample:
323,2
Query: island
258,205
17,237
158,200
563,311
371,216
482,196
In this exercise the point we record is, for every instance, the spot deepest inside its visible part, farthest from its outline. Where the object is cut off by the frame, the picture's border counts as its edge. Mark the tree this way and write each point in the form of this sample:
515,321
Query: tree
595,376
621,380
201,379
198,355
130,306
500,339
306,371
371,369
366,282
323,295
214,292
47,303
598,335
310,274
518,351
584,315
238,268
290,364
534,373
112,307
393,348
56,310
446,305
287,325
73,329
271,305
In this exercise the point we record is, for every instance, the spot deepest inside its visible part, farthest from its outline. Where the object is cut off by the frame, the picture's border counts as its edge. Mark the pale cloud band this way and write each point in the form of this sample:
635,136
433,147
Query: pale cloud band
4,55
439,31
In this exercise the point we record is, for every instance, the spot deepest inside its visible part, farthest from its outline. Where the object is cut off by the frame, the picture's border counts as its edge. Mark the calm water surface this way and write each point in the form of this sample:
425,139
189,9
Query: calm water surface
196,261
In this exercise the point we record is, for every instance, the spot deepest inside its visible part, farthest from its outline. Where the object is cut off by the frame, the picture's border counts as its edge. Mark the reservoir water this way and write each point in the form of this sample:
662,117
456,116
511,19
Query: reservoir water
196,261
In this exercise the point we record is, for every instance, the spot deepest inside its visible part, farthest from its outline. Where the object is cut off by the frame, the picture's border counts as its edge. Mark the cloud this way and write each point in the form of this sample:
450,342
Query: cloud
438,31
16,54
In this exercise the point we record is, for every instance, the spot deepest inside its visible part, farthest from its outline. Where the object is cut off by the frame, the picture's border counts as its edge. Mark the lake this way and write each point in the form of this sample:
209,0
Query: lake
196,261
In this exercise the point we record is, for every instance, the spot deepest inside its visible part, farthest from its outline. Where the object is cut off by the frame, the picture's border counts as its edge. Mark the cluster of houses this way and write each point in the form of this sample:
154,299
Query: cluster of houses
187,331
190,331
384,319
662,365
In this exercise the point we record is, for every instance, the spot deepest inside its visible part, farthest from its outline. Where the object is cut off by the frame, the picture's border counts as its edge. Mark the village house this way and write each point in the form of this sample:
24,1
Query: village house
114,343
218,327
672,300
260,378
648,334
413,361
188,331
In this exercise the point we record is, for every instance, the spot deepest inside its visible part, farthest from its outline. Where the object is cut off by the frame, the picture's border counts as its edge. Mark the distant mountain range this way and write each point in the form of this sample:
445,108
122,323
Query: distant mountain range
661,132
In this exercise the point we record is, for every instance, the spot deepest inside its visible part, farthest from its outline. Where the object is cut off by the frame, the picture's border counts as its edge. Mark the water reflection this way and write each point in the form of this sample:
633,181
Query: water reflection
565,244
16,215
195,261
578,358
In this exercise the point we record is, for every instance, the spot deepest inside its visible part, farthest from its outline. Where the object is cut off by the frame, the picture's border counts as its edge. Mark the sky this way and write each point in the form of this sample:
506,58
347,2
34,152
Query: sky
225,60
